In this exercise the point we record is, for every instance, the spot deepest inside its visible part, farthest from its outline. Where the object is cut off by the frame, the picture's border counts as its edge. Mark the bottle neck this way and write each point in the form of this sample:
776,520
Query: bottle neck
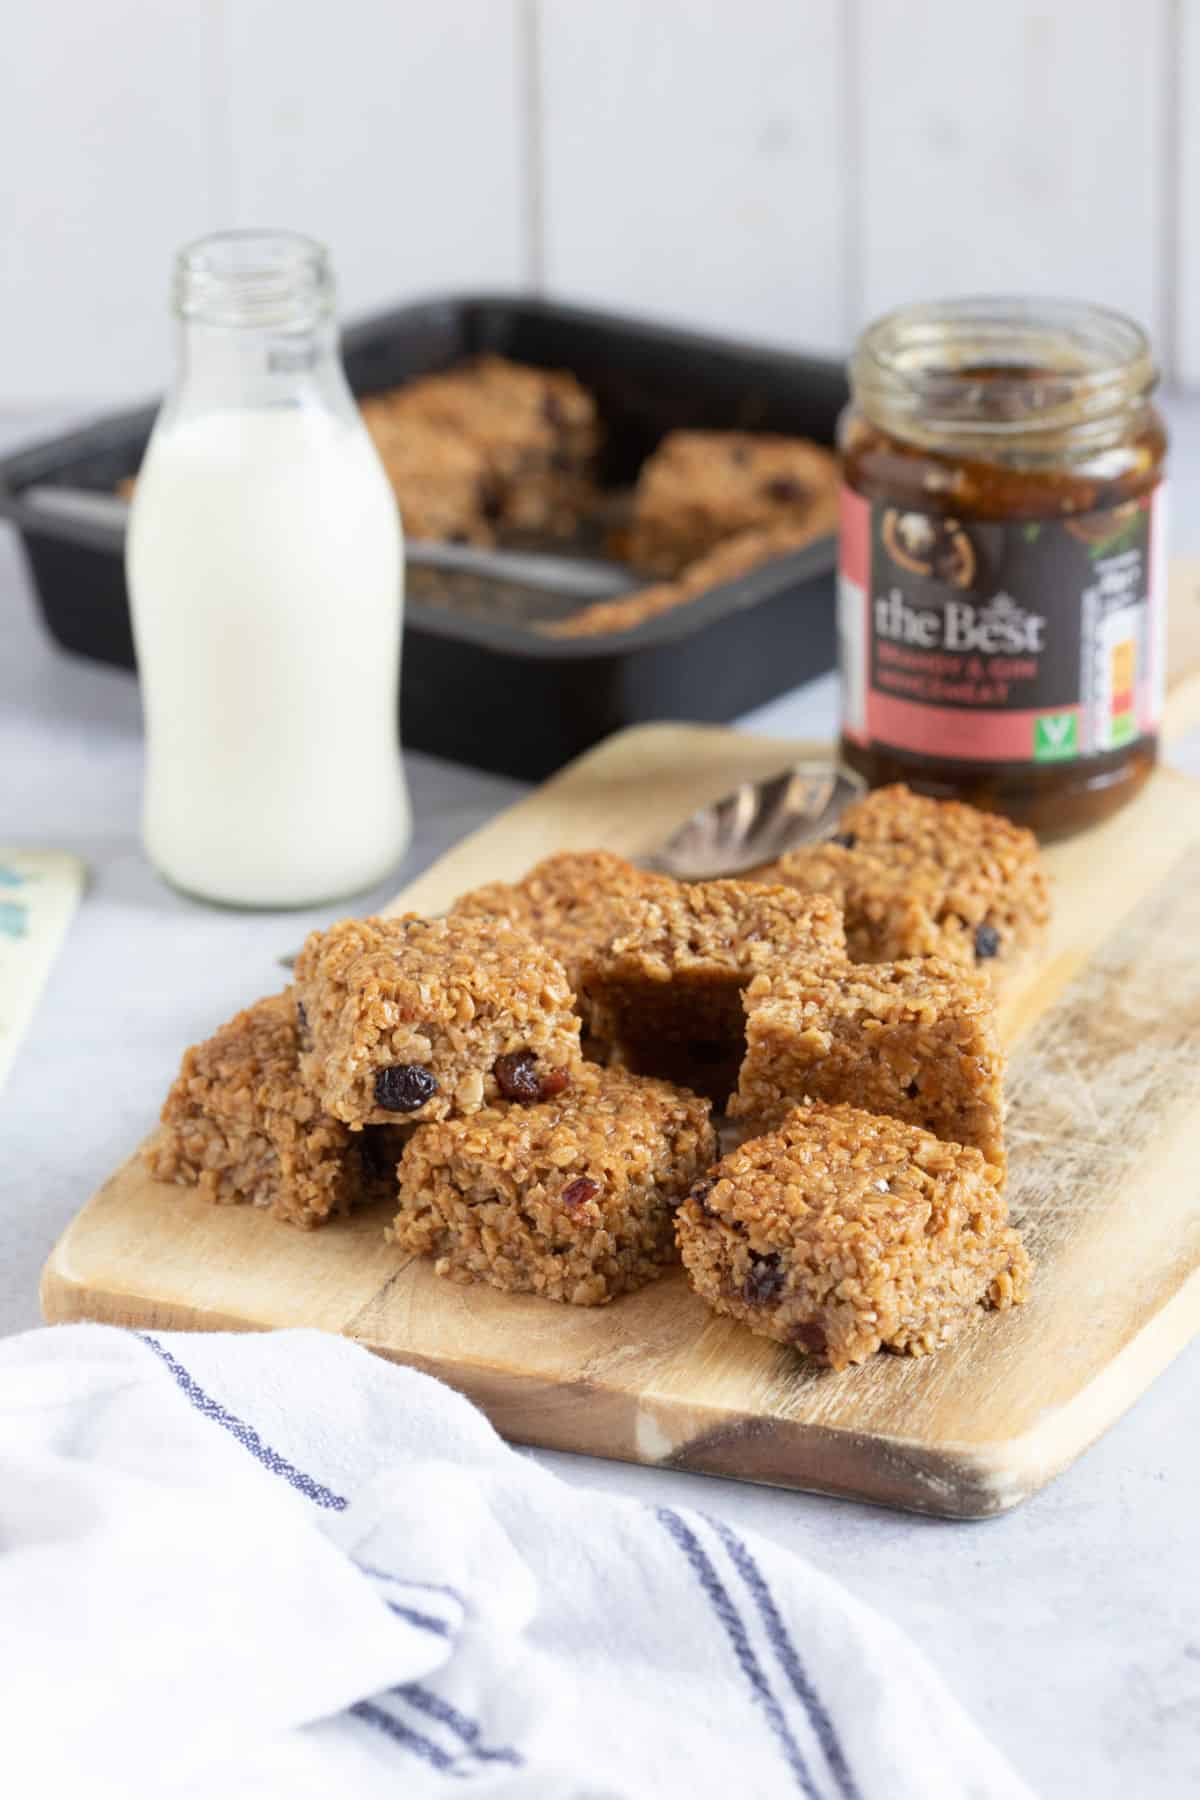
256,326
222,366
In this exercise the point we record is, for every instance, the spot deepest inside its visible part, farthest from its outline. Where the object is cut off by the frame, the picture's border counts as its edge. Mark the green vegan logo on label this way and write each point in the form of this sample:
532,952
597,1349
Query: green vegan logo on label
1055,736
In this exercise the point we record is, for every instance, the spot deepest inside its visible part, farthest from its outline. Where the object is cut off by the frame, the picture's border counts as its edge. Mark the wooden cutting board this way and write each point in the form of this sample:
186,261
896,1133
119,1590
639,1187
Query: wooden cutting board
1105,1138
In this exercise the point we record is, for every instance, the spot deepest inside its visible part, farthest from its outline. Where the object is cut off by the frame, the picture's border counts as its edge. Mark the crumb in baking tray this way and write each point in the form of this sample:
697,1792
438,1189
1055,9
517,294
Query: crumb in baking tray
410,1019
573,1199
922,877
239,1125
667,994
842,1233
736,557
912,1040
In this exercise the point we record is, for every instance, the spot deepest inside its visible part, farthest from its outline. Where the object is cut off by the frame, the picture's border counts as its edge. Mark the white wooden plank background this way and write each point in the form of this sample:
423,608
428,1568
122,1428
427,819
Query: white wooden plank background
1186,297
390,131
775,168
112,154
1013,148
694,162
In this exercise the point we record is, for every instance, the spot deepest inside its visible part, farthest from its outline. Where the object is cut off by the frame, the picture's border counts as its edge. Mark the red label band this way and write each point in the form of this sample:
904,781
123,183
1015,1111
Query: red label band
1033,642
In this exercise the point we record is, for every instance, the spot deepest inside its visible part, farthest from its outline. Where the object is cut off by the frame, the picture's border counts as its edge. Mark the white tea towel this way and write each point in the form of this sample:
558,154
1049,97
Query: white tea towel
274,1565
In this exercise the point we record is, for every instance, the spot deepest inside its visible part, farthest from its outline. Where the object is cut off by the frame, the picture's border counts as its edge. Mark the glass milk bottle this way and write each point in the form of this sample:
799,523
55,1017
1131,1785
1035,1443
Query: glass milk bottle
265,570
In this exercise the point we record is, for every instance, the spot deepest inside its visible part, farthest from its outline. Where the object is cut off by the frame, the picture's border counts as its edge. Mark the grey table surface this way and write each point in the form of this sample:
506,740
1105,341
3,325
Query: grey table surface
1069,1628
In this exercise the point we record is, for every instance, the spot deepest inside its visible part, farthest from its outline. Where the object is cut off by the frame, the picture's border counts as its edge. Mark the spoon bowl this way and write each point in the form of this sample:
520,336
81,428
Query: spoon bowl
757,823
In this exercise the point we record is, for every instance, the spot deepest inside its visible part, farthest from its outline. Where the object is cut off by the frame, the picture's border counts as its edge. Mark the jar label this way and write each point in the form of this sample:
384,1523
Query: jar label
1031,642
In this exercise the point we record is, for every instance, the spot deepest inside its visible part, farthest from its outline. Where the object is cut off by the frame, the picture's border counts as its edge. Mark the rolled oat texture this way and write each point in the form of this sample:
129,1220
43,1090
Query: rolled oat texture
667,995
921,877
842,1233
572,1199
573,904
411,1019
913,1040
239,1125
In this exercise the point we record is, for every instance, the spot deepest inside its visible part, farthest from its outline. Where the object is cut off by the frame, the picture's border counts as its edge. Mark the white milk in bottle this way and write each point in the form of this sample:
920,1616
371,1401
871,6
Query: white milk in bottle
265,573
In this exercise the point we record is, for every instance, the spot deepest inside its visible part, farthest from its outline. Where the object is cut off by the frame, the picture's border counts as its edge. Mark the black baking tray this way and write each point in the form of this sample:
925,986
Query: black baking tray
492,691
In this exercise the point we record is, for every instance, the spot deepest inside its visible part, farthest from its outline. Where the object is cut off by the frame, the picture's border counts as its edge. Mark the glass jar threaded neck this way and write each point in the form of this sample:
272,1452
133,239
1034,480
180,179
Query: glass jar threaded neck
996,375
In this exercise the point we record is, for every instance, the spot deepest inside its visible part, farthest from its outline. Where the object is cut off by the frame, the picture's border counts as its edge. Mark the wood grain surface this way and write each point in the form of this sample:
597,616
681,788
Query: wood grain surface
1105,1181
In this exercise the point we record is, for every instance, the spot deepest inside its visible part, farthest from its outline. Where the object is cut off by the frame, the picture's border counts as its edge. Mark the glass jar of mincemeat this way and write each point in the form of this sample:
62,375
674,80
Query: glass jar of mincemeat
1002,589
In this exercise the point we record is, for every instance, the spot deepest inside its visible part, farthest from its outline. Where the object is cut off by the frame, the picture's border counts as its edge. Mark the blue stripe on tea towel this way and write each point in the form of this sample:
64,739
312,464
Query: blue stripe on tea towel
424,1747
432,1704
735,1630
467,1730
789,1656
245,1434
425,1587
424,1621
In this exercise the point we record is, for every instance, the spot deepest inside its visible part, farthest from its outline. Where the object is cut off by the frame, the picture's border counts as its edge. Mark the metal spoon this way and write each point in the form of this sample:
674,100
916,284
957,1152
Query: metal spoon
751,825
757,823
